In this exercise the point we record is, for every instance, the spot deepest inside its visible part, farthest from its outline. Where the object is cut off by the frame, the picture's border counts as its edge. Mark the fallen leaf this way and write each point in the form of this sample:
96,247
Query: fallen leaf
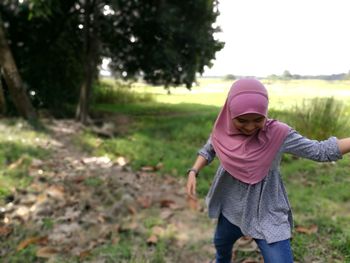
32,240
152,240
84,254
244,240
145,201
247,246
159,166
148,169
36,163
165,214
78,179
46,252
307,230
115,240
104,160
158,231
166,203
132,209
16,163
129,226
192,203
22,211
56,191
5,230
122,161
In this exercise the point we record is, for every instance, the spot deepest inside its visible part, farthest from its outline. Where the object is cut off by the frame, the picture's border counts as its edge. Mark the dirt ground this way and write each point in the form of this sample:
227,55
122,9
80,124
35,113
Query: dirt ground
78,202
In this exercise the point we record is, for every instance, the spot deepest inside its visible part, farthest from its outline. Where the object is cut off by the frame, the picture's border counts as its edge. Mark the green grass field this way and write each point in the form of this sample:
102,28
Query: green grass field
283,94
172,129
169,129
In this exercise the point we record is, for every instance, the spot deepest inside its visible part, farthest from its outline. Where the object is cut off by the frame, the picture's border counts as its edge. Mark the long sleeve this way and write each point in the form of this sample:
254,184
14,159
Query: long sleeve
207,151
321,151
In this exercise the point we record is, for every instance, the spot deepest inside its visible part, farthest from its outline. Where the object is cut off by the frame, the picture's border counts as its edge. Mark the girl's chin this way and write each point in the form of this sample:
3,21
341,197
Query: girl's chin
249,133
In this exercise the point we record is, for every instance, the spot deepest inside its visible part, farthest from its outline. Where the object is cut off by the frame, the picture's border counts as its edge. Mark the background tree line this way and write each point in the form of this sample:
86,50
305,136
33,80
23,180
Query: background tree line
54,48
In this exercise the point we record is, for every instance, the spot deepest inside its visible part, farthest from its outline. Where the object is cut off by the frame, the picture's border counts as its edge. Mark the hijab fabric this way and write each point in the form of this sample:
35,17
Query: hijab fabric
247,157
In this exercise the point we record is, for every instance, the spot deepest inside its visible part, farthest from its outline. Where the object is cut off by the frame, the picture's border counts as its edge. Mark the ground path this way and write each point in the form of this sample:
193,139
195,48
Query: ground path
78,202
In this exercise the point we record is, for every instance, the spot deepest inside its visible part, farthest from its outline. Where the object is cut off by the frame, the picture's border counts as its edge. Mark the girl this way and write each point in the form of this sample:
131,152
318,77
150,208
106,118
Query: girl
247,194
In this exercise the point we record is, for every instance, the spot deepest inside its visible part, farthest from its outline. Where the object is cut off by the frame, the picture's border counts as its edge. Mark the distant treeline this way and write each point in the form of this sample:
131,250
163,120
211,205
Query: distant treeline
340,76
287,76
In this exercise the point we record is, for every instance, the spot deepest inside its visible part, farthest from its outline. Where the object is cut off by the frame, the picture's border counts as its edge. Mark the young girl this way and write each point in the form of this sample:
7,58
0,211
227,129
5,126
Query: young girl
247,194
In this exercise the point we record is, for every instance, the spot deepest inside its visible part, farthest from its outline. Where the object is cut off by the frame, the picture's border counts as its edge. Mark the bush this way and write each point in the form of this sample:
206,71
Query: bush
105,93
319,118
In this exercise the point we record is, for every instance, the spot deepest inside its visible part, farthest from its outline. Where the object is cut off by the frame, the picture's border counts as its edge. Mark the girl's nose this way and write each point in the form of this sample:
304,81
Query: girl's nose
250,127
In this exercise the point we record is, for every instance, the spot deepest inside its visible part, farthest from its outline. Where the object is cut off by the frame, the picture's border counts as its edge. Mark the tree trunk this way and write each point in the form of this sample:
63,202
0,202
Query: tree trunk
13,80
2,99
90,46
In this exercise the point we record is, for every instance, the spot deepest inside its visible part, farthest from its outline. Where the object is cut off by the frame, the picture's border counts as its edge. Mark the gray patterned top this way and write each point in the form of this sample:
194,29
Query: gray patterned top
262,210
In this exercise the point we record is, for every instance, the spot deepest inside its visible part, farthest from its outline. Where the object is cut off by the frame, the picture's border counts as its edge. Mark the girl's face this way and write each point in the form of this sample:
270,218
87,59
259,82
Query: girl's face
249,123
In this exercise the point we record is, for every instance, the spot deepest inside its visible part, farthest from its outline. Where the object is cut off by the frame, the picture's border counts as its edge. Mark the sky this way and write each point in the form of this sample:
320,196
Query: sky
264,37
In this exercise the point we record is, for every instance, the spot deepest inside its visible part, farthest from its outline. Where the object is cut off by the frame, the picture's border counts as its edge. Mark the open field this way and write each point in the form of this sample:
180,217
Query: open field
163,134
283,94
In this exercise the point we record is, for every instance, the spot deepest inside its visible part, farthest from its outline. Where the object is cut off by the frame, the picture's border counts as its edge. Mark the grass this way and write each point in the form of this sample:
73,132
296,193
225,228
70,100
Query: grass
182,128
284,94
171,134
319,193
18,147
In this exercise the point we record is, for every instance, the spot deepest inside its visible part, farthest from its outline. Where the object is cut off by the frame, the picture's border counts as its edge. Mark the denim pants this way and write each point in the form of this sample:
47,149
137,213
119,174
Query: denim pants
226,235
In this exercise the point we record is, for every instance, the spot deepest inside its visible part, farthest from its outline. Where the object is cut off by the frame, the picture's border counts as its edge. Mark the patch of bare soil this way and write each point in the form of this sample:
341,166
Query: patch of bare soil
78,202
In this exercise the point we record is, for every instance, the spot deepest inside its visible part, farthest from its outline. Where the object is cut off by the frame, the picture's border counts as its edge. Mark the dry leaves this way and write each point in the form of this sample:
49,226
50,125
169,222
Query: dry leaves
32,240
152,240
312,229
167,203
46,252
152,168
73,219
5,231
144,201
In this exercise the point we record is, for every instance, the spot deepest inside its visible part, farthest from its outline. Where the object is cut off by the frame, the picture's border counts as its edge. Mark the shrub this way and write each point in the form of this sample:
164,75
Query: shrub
105,93
319,118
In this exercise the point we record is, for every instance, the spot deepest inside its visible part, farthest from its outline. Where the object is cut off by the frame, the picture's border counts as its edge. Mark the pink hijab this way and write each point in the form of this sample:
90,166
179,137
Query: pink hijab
247,158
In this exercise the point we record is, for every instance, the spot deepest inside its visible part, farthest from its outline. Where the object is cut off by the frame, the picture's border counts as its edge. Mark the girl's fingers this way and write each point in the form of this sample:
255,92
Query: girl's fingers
191,187
194,188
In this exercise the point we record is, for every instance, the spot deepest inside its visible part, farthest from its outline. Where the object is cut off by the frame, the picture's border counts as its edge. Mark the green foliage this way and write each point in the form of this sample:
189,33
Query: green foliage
111,252
93,181
286,75
104,93
318,193
319,118
46,49
17,149
165,43
152,221
48,223
230,77
168,46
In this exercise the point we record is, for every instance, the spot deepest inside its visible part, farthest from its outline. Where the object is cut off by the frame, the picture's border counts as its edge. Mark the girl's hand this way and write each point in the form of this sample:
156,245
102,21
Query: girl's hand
191,185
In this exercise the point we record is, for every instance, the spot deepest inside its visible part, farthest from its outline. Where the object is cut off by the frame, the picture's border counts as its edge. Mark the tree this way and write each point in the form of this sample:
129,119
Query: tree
287,75
13,79
2,98
164,42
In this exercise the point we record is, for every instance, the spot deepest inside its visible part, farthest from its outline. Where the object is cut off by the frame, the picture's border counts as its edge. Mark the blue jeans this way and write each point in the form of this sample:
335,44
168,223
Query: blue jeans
227,234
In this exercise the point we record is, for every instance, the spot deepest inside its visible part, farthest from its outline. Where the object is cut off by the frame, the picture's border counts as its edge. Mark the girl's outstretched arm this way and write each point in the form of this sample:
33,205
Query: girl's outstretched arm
344,145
